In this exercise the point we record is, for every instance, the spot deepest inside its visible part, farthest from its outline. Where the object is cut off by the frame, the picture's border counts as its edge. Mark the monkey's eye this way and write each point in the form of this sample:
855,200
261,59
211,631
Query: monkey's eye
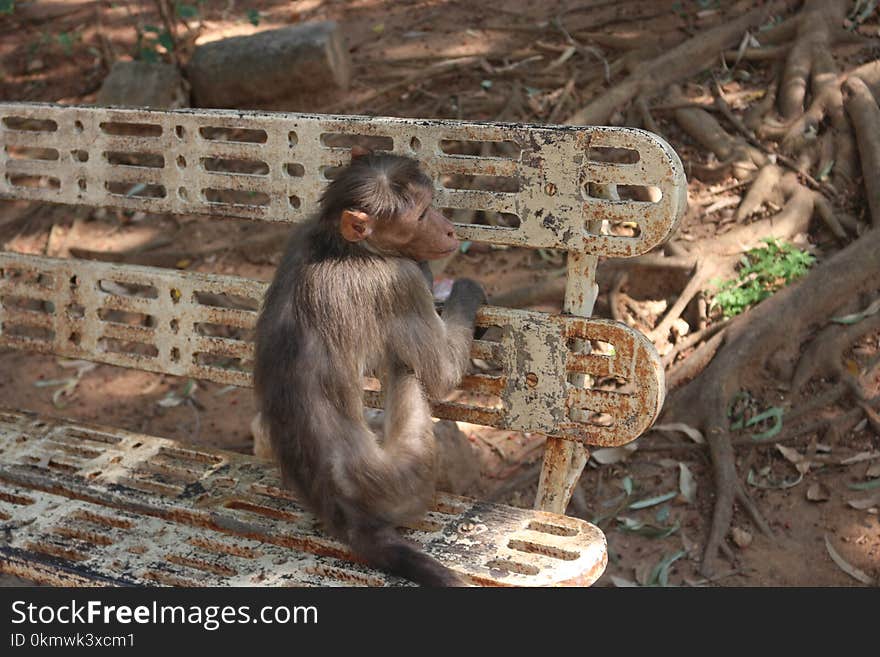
424,212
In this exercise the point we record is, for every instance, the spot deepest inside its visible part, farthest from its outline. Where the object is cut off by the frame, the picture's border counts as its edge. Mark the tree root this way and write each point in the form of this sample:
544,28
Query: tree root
705,270
824,355
741,154
687,59
868,73
810,60
818,24
763,187
719,256
693,339
865,116
614,300
743,158
749,342
692,366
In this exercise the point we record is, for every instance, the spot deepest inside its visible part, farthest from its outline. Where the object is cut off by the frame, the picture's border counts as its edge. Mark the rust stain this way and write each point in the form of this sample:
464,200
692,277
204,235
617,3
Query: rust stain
548,183
89,525
553,379
532,389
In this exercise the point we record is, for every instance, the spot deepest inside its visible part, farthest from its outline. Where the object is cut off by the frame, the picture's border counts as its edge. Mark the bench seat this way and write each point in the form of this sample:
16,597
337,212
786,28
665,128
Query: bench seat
82,504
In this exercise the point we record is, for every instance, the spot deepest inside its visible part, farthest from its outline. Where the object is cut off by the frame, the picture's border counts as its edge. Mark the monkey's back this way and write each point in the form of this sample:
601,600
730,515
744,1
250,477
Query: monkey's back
323,325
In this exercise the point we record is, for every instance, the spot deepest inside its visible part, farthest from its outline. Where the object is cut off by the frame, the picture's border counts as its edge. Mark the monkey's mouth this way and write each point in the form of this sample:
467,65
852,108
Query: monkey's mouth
442,254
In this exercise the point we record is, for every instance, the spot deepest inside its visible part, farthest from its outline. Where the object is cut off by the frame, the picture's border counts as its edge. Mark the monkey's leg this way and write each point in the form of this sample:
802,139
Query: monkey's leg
408,452
409,441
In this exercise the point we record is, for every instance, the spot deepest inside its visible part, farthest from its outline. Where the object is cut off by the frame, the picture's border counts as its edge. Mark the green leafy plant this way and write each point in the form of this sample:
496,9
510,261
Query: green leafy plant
763,270
7,6
253,16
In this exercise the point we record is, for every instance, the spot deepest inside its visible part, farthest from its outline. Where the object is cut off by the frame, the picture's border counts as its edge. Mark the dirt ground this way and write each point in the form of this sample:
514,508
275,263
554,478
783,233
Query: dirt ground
58,52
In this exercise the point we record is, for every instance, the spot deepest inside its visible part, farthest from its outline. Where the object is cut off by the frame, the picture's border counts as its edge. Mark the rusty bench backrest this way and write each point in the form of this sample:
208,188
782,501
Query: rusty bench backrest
536,178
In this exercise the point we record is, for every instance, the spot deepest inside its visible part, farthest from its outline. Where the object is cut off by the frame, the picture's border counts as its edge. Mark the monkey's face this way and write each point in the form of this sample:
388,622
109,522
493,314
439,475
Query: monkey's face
421,232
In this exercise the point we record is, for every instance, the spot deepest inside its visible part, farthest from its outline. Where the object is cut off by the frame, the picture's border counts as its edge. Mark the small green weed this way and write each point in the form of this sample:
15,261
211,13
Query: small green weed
763,271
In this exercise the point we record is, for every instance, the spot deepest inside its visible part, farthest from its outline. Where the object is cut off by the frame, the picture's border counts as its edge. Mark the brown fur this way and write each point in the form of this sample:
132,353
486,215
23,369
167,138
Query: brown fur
339,309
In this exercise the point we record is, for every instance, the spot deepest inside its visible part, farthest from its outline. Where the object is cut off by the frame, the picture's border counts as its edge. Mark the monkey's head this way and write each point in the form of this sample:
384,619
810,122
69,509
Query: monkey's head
383,202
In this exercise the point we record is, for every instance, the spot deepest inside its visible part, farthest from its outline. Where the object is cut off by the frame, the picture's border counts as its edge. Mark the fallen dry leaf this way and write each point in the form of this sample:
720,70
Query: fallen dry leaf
741,537
865,502
643,572
687,485
861,456
610,455
818,492
622,582
850,570
801,462
686,429
873,470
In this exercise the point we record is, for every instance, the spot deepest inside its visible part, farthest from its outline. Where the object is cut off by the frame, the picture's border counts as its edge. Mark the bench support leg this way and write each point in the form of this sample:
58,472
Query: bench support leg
564,460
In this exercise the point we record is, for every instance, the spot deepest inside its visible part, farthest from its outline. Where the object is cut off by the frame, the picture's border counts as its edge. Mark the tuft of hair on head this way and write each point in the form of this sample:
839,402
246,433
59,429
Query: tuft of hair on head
381,184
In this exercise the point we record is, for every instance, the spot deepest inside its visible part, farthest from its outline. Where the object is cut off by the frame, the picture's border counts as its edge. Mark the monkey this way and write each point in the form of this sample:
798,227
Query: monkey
351,296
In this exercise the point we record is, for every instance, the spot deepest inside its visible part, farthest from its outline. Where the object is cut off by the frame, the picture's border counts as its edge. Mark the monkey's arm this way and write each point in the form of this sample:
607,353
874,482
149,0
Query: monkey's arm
438,350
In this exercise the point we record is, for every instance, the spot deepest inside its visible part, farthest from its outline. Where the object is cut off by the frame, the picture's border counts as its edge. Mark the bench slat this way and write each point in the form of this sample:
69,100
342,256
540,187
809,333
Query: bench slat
175,326
548,165
226,522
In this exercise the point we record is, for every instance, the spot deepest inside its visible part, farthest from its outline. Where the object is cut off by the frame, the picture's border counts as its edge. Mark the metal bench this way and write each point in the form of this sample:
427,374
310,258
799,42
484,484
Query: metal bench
82,504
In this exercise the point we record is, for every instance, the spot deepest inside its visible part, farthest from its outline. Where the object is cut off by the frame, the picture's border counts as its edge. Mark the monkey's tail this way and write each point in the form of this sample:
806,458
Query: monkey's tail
384,548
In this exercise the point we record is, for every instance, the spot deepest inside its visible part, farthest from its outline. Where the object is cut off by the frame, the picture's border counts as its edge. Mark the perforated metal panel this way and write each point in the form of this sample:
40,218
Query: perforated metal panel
81,504
81,501
174,322
274,166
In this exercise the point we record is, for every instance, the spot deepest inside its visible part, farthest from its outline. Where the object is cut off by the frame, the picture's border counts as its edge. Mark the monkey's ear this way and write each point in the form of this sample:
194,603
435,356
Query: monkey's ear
355,225
359,151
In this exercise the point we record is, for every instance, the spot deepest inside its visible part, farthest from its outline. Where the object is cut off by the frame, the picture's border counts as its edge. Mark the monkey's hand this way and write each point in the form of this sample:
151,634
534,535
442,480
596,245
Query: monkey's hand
465,299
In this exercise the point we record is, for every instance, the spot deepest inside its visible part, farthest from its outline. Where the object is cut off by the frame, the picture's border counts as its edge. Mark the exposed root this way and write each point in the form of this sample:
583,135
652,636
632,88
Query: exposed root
744,158
741,153
824,355
709,174
816,25
781,32
751,508
828,216
614,295
727,111
693,339
800,205
765,183
645,114
689,58
706,269
749,342
691,367
865,115
753,117
868,73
